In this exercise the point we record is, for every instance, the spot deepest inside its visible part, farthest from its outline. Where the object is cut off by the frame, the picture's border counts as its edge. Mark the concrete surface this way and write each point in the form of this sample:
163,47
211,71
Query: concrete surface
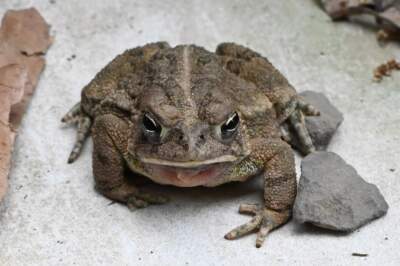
52,215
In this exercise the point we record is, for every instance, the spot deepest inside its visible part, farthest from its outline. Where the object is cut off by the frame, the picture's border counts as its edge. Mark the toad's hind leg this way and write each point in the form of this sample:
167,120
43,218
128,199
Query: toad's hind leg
76,116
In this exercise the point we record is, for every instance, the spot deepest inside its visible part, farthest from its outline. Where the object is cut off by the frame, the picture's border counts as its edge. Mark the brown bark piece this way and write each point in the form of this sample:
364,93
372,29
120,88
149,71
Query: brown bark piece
24,38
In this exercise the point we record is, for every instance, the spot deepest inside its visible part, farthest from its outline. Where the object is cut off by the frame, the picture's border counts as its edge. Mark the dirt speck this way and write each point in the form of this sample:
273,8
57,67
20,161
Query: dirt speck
356,254
72,57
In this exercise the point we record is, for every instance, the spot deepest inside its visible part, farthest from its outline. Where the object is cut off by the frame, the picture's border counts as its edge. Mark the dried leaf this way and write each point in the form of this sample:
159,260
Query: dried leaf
339,9
386,12
391,16
12,83
24,38
26,30
386,69
384,4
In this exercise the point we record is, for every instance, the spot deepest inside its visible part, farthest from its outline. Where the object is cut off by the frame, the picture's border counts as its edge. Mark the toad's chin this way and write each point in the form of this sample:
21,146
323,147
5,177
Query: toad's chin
185,177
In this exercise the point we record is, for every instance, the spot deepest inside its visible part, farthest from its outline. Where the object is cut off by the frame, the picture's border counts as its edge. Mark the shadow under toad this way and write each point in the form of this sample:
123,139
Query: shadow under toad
189,197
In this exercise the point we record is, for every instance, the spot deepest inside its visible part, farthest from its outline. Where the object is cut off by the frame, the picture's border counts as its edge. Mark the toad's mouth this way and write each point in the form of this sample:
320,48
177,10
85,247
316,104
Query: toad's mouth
190,164
187,174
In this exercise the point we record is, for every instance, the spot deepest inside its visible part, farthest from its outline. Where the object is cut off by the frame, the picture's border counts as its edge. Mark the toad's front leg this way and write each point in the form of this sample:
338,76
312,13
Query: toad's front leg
110,140
293,114
277,161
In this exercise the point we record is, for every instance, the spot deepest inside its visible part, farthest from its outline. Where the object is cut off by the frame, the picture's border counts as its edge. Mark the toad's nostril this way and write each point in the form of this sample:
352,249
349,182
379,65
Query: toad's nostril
202,137
185,147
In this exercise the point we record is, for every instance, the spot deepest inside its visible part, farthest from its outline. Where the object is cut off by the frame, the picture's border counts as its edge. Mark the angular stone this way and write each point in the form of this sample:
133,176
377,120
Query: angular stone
332,195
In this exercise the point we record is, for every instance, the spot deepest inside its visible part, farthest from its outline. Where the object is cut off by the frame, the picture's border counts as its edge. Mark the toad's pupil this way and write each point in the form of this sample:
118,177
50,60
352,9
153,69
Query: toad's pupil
151,125
231,123
228,129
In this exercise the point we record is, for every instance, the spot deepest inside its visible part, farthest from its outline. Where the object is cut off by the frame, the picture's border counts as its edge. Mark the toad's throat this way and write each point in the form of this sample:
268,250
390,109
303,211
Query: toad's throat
185,177
188,173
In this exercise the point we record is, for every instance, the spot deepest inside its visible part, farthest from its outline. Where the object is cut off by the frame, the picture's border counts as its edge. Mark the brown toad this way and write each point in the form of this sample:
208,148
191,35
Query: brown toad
187,117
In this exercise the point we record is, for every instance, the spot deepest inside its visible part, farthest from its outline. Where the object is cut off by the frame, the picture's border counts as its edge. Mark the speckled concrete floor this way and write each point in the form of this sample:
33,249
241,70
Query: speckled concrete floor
52,215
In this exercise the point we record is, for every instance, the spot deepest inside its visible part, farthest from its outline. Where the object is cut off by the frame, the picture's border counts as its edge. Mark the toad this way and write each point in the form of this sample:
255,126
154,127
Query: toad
186,117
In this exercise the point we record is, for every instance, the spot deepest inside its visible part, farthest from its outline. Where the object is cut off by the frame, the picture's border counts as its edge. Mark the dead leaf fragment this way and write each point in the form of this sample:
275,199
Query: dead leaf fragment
24,38
386,69
339,9
12,82
391,16
386,13
26,30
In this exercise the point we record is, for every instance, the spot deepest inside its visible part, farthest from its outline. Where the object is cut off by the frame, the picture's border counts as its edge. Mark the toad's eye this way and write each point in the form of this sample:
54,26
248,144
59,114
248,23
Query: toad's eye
229,128
151,128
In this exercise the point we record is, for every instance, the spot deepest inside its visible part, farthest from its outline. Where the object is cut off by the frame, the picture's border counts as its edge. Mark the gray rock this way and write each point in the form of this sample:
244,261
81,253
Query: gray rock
321,128
332,195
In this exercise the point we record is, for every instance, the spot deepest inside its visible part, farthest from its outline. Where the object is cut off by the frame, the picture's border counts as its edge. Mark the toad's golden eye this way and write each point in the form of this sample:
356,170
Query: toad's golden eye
229,128
151,128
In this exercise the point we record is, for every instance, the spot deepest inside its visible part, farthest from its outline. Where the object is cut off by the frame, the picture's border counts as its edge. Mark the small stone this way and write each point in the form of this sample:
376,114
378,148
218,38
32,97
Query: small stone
332,195
321,128
72,57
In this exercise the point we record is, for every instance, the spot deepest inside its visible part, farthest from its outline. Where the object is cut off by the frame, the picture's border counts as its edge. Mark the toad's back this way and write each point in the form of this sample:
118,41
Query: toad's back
187,77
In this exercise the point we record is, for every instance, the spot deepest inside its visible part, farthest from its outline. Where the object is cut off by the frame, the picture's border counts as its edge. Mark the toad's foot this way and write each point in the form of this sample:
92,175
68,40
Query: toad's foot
129,194
76,116
295,112
140,200
264,220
